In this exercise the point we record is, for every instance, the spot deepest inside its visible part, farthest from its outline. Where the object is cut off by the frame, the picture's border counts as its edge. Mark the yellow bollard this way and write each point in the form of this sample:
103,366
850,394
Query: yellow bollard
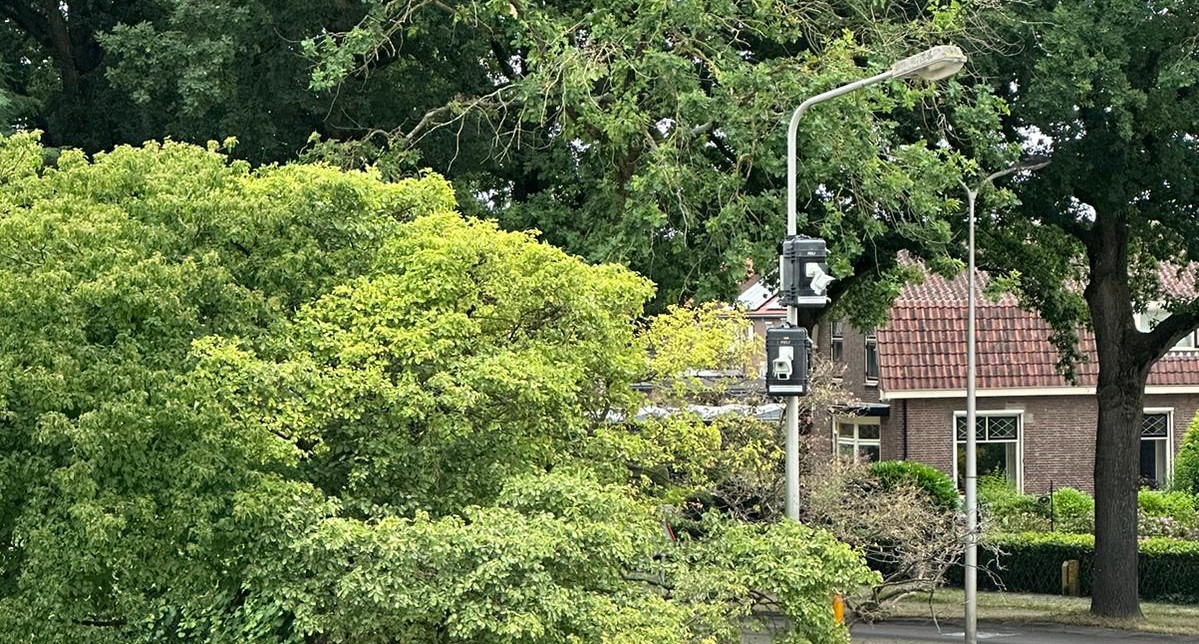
838,608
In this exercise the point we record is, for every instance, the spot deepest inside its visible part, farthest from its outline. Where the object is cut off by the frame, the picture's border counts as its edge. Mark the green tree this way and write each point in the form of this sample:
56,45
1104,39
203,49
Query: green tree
643,132
1108,89
651,133
54,62
301,404
97,74
1186,464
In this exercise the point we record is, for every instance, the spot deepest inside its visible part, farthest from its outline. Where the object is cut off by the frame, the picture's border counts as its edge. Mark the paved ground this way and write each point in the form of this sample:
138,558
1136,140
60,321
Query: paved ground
905,631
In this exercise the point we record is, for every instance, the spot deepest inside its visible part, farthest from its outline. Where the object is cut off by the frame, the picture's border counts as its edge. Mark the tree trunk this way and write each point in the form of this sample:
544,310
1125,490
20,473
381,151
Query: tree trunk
1117,466
1120,391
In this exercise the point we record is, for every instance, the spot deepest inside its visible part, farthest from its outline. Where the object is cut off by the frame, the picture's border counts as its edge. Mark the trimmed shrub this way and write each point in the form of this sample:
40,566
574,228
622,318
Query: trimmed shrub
1179,506
1186,464
1031,562
1073,511
1006,510
936,483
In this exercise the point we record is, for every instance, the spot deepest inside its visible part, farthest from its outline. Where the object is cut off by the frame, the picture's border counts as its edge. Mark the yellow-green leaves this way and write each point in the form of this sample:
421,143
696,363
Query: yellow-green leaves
685,342
138,292
298,403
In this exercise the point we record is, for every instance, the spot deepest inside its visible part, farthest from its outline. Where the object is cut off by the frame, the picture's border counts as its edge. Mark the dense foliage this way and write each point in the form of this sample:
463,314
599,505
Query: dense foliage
301,404
1186,462
651,132
644,132
934,482
1031,562
1071,511
105,72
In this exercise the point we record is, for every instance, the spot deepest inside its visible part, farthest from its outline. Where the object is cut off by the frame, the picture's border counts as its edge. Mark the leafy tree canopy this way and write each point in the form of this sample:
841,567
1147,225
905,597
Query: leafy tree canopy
1105,232
302,404
101,73
643,132
651,133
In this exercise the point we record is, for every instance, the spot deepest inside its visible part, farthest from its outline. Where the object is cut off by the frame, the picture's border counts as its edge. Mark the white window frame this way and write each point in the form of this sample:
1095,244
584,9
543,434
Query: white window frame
856,441
871,338
1169,440
836,348
990,413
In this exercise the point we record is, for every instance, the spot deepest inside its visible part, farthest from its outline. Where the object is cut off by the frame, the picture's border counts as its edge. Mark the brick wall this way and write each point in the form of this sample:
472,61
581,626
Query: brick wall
853,356
1058,440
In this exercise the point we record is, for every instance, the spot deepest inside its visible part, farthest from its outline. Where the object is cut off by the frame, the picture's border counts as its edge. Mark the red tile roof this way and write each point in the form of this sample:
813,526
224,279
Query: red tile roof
923,346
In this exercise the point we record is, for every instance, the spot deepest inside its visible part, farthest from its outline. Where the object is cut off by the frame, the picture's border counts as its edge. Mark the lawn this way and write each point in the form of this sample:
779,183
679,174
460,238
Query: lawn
1170,619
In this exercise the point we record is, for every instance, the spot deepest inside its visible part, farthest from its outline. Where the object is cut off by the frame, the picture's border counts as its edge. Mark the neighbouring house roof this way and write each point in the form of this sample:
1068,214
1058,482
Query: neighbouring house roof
759,300
923,346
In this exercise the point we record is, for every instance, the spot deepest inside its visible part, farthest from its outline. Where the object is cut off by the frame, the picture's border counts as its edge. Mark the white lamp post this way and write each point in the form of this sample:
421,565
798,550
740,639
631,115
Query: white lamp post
935,64
971,576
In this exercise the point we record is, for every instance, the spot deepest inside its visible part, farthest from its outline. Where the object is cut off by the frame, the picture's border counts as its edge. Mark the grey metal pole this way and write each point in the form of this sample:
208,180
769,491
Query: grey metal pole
792,413
934,64
971,577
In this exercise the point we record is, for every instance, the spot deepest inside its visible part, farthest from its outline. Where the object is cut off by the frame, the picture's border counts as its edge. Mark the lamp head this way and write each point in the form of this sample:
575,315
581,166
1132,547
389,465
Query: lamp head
934,64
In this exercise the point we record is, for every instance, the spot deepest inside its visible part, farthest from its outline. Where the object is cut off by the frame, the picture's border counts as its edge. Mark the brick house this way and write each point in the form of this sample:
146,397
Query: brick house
1034,427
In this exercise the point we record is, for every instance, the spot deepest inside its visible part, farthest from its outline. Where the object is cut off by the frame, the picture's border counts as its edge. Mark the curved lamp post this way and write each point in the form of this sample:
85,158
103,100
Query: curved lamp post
971,474
935,64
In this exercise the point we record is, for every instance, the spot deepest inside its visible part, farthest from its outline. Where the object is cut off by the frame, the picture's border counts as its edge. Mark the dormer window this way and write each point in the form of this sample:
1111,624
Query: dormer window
1148,320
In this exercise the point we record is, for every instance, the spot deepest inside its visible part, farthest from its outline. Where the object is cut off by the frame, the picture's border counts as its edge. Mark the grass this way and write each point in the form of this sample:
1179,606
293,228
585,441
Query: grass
1167,619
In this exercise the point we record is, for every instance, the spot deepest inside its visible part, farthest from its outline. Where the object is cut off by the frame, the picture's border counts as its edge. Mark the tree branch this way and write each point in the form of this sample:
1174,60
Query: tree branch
1170,331
30,21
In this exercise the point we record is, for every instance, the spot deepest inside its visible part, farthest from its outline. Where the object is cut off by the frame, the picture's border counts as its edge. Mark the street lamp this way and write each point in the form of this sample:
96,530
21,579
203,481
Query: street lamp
934,64
971,576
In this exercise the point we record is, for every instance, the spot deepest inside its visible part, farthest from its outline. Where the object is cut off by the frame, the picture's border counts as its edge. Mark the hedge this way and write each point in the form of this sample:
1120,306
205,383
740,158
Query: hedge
1032,563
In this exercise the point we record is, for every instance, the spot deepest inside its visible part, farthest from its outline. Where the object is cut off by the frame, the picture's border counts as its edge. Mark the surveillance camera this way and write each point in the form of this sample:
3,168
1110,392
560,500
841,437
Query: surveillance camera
820,279
782,368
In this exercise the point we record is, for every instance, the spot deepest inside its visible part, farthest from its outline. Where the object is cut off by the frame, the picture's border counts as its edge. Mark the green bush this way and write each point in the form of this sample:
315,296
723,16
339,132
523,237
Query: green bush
1179,506
1186,464
1073,511
1166,514
1031,562
937,483
1006,510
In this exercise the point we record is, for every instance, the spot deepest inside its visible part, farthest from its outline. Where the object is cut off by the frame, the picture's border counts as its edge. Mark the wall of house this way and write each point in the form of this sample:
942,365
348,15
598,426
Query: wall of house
891,433
853,354
1058,433
853,380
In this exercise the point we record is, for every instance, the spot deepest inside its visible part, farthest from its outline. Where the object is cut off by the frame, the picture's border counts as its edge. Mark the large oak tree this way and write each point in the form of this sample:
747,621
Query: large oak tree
1110,90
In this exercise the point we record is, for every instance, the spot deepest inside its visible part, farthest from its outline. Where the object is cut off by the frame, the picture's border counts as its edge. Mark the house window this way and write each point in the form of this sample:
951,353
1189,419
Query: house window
837,349
858,439
1146,321
997,442
871,358
1155,447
